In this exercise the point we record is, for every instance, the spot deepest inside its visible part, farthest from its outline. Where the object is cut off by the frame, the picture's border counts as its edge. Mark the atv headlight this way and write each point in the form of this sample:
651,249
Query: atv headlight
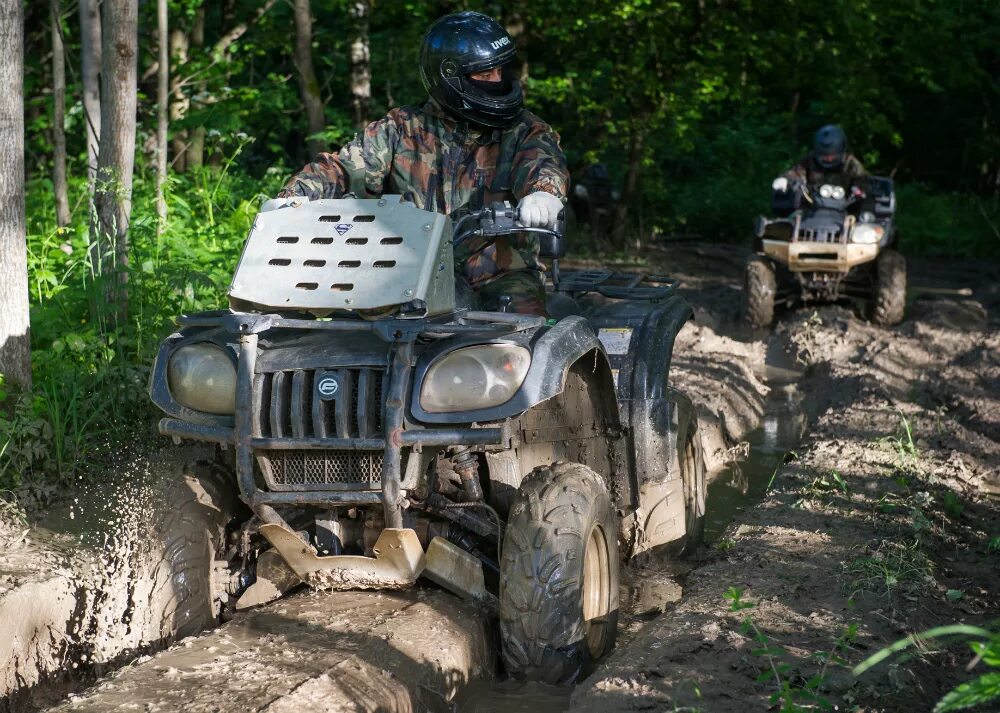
830,191
474,378
202,377
867,234
580,191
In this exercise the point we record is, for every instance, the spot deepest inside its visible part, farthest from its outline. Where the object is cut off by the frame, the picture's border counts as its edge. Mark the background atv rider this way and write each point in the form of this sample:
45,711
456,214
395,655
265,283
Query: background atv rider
470,144
829,163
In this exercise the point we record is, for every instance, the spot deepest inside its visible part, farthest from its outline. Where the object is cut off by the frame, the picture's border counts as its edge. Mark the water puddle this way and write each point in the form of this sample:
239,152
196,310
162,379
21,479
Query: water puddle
747,481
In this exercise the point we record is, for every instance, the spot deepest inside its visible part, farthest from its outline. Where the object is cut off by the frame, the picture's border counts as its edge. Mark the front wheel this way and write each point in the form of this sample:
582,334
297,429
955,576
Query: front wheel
759,288
559,575
191,573
890,288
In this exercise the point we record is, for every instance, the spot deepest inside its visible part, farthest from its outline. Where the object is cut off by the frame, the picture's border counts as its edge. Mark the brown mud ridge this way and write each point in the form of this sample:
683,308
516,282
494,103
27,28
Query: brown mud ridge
861,529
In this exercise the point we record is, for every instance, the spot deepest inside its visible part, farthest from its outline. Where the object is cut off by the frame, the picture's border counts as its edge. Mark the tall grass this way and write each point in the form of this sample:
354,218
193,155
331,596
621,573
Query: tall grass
90,379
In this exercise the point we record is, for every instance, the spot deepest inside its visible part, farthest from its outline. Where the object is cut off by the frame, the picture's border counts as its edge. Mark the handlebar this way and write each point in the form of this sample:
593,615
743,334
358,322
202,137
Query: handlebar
499,220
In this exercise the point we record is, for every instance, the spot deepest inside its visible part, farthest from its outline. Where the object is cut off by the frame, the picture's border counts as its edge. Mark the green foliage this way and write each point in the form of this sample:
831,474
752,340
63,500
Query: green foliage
796,688
985,646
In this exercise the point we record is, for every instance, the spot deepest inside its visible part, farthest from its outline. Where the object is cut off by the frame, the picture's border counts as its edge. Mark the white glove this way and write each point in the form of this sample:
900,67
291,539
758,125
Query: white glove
539,210
780,184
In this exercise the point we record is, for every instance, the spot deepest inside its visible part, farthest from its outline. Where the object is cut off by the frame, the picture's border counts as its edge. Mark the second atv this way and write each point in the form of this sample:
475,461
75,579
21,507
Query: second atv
828,243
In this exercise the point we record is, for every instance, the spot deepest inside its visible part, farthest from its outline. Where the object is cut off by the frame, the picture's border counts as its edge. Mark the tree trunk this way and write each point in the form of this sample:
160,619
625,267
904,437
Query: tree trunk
361,72
59,118
15,349
195,157
90,71
619,231
308,86
113,190
162,118
179,101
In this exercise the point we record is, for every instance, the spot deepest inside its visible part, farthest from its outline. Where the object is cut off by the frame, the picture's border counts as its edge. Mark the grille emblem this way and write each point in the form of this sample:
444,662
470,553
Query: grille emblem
327,387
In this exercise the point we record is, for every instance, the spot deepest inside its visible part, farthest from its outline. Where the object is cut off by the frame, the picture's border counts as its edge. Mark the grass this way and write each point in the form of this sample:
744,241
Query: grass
889,567
795,688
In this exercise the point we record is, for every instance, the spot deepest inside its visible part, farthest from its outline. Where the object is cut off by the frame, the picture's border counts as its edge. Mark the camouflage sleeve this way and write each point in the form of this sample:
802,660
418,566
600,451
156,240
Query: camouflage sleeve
539,163
799,172
360,167
854,168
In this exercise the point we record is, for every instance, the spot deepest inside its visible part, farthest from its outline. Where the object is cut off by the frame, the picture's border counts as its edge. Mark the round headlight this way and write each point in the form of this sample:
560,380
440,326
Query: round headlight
474,378
826,190
202,377
837,193
866,234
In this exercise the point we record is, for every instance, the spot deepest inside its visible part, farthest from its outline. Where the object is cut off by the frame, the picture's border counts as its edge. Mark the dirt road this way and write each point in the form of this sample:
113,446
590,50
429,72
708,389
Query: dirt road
878,525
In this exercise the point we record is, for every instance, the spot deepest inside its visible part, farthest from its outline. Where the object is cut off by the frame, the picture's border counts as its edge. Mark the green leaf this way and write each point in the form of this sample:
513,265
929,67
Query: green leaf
984,689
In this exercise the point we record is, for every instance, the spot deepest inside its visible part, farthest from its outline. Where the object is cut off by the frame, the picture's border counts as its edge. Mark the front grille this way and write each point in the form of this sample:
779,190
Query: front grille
320,469
287,404
820,235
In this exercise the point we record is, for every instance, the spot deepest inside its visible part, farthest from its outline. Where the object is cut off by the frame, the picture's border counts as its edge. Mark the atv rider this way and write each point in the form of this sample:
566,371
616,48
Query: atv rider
470,144
829,162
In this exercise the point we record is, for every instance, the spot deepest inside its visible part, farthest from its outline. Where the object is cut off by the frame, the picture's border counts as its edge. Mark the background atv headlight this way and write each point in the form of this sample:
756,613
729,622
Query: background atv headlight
202,377
474,378
867,234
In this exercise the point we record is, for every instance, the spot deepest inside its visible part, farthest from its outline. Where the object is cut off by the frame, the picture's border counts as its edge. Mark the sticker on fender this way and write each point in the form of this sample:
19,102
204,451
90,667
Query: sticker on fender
615,340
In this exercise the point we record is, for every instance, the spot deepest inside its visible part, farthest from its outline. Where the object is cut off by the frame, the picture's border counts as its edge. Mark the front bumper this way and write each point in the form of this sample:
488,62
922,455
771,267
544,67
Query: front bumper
819,257
353,435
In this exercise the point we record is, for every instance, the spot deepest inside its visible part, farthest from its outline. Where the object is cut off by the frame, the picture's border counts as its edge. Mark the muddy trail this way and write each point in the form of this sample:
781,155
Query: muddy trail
856,477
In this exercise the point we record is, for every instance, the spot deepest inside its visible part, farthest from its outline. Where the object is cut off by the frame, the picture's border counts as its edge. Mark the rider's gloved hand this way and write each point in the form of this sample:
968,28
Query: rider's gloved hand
539,210
780,184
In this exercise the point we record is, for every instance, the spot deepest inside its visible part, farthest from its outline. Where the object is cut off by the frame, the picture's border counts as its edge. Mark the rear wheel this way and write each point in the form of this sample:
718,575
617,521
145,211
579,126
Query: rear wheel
693,474
559,575
890,288
759,288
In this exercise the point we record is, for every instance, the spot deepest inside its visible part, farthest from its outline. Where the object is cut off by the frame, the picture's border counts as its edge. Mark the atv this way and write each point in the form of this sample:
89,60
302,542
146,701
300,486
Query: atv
828,244
377,428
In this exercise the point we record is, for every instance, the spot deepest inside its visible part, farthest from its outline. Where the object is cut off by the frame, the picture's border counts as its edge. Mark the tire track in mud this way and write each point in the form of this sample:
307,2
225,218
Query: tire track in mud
878,529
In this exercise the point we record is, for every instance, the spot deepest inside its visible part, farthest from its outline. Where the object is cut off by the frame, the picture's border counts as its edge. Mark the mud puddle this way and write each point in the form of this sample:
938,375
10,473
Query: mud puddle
756,461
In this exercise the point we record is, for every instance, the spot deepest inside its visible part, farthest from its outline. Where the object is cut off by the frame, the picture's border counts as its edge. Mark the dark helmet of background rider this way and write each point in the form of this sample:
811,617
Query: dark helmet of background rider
830,146
462,43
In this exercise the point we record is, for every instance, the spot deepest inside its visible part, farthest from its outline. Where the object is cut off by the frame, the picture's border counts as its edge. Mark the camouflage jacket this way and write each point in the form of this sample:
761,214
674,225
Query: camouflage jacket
446,166
852,173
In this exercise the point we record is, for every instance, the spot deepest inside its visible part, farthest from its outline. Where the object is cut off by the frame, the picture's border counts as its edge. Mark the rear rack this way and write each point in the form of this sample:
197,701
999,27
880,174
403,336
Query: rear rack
618,285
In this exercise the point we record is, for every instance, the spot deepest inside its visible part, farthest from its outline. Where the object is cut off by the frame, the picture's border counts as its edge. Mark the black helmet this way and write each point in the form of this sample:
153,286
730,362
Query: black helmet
458,45
830,146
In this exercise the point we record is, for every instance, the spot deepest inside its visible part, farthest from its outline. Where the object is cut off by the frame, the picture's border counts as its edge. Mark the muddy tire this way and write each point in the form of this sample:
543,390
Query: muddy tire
890,288
559,575
759,288
695,487
191,535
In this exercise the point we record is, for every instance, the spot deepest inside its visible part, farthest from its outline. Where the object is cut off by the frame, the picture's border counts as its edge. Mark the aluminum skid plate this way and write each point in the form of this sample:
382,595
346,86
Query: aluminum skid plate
347,254
398,561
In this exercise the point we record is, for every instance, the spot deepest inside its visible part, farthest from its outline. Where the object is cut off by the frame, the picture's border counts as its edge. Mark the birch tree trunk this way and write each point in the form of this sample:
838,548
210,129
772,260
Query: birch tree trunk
59,186
90,71
361,71
162,118
113,189
15,350
308,86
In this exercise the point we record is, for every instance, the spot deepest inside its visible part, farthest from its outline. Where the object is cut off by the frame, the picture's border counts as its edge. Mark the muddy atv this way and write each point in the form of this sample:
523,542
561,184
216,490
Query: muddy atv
380,430
829,245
